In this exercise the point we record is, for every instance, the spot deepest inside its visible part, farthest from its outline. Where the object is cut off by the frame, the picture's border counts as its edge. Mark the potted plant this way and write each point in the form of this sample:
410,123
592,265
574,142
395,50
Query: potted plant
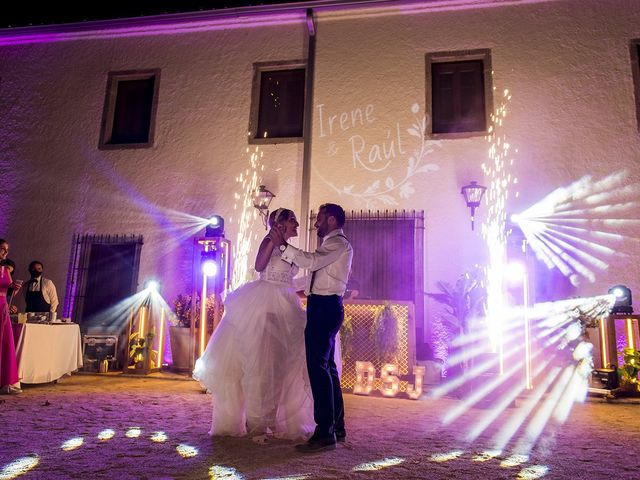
462,301
384,335
139,350
180,331
628,373
346,337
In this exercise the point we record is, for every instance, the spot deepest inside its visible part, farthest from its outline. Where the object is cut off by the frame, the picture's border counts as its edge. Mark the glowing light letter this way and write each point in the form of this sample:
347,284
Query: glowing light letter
365,374
414,393
389,383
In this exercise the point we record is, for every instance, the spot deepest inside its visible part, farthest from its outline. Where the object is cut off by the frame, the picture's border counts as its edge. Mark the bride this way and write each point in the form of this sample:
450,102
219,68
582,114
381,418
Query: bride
254,364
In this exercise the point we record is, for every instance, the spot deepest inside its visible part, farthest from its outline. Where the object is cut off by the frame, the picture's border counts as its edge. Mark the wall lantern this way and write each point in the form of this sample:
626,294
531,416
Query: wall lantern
261,201
473,194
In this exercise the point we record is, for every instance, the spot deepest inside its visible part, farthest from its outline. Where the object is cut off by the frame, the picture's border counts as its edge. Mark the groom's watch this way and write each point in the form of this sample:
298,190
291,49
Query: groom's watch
283,247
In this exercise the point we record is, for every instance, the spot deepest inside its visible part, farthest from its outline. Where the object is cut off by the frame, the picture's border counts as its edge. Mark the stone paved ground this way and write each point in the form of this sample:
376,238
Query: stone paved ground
599,440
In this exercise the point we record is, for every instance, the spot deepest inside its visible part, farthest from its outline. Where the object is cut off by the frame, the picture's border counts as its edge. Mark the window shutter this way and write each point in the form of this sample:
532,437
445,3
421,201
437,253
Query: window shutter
281,112
458,97
132,115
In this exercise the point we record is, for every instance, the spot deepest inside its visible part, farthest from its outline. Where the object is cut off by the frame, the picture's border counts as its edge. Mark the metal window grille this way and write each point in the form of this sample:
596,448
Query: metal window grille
79,262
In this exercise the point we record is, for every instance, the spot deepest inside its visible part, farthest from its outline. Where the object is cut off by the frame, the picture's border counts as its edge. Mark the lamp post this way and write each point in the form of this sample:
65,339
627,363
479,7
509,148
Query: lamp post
473,194
211,273
261,201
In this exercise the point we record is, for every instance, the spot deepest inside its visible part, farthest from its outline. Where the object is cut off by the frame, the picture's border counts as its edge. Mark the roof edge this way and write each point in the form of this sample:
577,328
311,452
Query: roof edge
240,17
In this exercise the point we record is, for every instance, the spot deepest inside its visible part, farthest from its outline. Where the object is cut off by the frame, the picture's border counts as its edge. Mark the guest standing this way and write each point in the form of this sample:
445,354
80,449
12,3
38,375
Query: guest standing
11,266
9,380
40,294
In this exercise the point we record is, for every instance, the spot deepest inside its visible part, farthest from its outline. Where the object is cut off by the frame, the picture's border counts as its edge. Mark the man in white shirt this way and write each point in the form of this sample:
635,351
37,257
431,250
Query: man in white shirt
40,294
330,265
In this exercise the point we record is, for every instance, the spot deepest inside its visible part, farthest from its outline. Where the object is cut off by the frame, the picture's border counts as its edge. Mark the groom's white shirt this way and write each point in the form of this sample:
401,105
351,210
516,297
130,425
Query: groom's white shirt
331,261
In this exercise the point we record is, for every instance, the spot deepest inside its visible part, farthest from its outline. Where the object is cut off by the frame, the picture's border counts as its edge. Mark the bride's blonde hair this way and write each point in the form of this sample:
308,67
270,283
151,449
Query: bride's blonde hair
279,215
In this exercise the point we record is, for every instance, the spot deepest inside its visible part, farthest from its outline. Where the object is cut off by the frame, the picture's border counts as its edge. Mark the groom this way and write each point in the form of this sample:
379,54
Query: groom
330,265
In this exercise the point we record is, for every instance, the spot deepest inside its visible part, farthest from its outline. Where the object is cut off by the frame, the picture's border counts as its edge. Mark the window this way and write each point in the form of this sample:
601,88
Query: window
459,93
129,110
277,113
103,271
635,69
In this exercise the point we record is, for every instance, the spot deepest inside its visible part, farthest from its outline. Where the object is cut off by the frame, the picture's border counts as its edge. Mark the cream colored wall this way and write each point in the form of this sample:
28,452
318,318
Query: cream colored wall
59,182
572,114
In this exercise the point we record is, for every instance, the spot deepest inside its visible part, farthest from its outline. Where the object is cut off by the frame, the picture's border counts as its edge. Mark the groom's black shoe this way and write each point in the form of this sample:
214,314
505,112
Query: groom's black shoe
318,444
341,435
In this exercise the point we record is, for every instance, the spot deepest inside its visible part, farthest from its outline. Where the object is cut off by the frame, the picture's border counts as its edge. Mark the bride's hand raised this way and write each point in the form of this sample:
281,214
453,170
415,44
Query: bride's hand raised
276,236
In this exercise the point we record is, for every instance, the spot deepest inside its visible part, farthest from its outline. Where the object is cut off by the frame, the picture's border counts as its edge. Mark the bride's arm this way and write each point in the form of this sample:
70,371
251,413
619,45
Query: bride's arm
264,254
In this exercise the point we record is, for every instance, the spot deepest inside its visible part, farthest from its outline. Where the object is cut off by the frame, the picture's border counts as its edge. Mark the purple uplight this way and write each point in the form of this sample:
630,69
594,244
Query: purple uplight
210,268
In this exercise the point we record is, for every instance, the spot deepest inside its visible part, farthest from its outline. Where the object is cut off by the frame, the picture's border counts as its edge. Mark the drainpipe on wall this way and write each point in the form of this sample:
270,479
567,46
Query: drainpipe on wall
308,127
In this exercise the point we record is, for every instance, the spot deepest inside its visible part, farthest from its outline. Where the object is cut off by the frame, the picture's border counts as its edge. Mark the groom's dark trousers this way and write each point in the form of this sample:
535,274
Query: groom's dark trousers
325,314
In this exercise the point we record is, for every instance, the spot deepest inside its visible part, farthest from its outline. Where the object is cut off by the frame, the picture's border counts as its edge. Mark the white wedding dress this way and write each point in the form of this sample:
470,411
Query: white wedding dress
254,364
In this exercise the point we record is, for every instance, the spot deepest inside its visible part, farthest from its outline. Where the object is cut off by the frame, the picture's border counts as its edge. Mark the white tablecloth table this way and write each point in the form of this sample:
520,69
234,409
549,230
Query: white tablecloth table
47,352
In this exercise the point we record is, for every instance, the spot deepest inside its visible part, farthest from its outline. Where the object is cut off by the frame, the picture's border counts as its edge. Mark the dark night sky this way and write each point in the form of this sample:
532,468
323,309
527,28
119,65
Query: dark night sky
24,13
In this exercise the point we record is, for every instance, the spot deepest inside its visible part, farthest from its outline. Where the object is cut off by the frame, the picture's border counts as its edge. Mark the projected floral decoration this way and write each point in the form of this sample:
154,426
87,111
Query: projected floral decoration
386,191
